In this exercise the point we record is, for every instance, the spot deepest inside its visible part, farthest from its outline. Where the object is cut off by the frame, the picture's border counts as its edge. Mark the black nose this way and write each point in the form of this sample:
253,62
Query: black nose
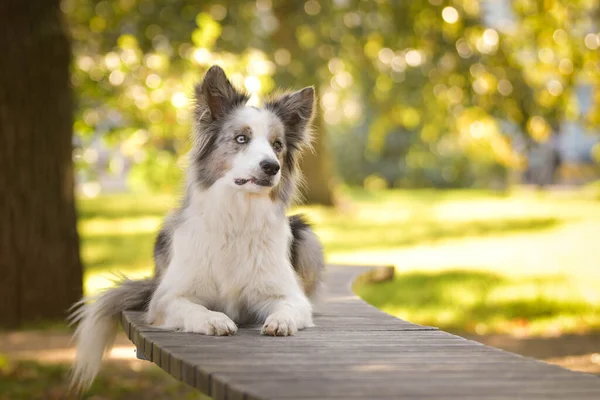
269,167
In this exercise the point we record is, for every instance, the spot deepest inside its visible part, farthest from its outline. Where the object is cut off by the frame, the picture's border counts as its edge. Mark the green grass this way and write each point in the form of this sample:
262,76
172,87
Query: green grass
522,263
483,302
25,380
117,235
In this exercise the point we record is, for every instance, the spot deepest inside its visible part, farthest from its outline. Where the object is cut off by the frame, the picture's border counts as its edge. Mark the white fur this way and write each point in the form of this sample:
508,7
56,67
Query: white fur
230,254
92,329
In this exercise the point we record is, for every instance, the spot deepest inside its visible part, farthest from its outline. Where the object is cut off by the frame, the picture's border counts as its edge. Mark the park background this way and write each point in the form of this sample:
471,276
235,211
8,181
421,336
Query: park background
458,140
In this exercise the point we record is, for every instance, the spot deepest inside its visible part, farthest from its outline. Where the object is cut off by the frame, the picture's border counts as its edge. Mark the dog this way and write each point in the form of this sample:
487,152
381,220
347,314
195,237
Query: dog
228,255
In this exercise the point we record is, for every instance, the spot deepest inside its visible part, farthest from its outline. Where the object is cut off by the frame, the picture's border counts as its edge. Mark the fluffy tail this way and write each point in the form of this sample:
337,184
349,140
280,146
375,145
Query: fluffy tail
97,319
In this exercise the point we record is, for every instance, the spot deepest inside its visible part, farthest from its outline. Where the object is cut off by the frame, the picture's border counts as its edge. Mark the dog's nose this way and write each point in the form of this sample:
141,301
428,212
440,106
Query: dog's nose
269,167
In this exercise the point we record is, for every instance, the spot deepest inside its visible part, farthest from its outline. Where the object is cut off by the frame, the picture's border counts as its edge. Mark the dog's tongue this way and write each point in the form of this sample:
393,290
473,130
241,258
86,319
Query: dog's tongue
241,182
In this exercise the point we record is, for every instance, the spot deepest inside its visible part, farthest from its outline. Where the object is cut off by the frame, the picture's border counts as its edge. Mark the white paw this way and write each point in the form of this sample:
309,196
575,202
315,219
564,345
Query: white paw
214,323
279,324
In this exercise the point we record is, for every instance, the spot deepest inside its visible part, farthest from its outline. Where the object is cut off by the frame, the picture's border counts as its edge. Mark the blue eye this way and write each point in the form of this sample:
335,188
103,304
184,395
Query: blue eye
241,139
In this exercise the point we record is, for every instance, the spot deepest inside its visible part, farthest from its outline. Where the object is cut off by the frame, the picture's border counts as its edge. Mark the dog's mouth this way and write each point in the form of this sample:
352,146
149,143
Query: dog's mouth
256,181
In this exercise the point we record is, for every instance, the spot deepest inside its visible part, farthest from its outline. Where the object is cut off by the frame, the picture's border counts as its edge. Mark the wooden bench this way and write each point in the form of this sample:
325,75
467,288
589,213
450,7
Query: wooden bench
355,351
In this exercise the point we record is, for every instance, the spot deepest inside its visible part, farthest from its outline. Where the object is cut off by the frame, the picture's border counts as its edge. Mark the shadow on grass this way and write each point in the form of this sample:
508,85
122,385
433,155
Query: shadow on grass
25,380
350,235
545,347
462,300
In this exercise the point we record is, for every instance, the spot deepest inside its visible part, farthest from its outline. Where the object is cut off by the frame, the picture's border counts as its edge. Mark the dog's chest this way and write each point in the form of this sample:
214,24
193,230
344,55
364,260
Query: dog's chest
235,251
246,257
242,253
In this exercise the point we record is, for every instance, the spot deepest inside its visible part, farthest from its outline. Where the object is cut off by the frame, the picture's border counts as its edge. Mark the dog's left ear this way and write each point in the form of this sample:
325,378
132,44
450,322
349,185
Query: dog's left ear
296,111
217,94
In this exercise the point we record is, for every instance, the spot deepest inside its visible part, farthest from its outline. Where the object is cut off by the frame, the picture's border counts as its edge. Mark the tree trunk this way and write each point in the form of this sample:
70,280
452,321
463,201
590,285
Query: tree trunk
39,246
317,167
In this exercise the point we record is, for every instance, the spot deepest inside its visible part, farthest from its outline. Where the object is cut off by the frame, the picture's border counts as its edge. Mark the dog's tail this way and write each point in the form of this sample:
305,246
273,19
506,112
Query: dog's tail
97,320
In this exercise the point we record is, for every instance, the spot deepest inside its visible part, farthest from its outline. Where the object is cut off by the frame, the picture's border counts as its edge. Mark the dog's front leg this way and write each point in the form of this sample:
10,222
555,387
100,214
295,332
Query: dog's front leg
176,312
286,315
180,300
188,316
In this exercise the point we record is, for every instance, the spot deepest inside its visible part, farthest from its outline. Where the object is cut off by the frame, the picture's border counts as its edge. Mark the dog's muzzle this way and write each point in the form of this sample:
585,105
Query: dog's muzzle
268,182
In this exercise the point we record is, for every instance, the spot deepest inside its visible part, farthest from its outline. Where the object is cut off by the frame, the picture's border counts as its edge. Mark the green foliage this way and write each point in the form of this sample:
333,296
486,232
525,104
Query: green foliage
420,93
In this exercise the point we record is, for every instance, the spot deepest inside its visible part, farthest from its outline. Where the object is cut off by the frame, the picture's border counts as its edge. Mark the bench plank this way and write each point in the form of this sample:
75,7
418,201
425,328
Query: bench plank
355,351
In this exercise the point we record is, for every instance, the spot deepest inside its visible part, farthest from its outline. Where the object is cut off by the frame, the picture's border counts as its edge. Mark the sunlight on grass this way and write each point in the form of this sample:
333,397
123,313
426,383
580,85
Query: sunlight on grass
125,205
483,302
120,226
466,260
97,282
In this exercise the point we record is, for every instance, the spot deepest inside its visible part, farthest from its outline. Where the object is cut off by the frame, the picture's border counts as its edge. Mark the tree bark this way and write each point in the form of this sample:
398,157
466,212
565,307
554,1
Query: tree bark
41,274
317,167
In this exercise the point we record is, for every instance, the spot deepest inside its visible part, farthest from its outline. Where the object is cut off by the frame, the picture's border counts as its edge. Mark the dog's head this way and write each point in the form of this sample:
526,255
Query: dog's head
251,149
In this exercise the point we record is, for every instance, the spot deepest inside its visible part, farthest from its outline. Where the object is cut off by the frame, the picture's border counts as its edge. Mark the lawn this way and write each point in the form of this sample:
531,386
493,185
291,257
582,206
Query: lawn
27,380
467,261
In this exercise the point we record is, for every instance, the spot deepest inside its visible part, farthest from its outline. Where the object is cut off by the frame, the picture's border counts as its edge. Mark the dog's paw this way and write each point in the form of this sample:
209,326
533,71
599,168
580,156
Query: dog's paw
214,324
279,324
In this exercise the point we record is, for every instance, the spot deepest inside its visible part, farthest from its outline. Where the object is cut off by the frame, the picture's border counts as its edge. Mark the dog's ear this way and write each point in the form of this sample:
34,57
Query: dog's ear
296,111
217,95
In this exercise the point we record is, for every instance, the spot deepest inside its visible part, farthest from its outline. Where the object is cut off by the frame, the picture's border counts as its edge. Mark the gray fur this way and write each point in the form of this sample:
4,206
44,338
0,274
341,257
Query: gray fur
162,244
306,254
296,111
216,94
216,98
127,295
162,251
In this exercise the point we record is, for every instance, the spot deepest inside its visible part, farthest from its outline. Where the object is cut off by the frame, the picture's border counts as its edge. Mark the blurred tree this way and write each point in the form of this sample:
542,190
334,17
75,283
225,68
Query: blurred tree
41,269
547,50
444,84
419,93
140,67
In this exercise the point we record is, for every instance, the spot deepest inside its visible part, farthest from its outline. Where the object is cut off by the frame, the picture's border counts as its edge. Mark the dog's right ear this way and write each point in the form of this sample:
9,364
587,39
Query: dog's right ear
217,95
296,111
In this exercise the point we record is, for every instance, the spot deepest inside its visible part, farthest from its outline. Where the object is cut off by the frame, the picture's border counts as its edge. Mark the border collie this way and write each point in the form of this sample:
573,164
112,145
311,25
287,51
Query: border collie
228,255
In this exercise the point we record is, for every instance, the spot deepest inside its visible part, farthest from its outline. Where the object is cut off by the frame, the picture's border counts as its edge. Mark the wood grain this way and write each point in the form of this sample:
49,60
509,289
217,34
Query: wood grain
355,351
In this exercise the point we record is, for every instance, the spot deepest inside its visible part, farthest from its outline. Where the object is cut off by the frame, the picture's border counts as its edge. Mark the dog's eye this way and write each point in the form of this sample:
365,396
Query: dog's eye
277,145
241,139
